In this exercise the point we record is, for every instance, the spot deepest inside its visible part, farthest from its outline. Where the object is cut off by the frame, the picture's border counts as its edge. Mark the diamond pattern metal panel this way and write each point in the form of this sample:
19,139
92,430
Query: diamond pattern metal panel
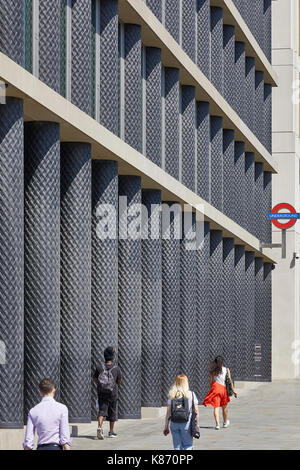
133,86
12,30
259,106
129,304
228,172
239,313
216,47
239,81
75,280
203,36
249,314
203,149
268,117
109,64
258,198
42,258
203,315
156,7
104,321
188,110
28,42
151,300
172,122
266,324
11,262
267,207
229,56
63,48
188,21
170,304
81,55
188,290
258,31
239,183
250,18
49,43
153,105
250,219
267,29
216,156
228,302
172,14
216,326
249,92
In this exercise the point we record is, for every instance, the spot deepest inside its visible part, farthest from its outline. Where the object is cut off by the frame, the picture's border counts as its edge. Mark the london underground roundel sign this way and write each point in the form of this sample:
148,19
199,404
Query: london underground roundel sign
291,216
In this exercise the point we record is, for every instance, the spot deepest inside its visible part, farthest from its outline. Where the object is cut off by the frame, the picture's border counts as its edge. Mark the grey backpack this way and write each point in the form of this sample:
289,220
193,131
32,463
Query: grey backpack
106,380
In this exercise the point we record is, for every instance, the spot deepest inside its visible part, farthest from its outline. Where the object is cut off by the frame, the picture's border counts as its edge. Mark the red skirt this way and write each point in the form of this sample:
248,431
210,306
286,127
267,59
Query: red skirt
217,396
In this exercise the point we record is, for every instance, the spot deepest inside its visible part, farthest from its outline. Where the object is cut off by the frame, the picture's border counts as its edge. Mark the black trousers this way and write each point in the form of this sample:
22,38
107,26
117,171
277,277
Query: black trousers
49,447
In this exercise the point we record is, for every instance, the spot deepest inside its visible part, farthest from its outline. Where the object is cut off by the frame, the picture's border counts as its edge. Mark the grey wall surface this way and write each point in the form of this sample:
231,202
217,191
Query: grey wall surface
267,29
172,14
216,47
171,124
259,106
129,305
216,156
258,31
228,173
42,258
266,324
249,92
75,278
258,198
12,30
11,262
188,22
153,105
239,82
49,43
188,115
229,53
250,220
203,35
228,303
151,299
239,183
216,320
104,319
203,149
267,142
250,314
239,313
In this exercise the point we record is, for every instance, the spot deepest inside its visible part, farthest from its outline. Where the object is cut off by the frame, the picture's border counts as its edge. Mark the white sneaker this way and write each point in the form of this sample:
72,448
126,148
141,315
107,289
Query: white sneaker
217,427
100,433
225,425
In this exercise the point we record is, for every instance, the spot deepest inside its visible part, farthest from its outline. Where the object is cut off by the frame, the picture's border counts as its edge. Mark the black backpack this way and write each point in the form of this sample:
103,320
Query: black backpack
180,411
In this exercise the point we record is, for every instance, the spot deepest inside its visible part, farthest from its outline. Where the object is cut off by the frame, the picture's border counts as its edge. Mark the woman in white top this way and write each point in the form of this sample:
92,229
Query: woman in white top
181,431
217,396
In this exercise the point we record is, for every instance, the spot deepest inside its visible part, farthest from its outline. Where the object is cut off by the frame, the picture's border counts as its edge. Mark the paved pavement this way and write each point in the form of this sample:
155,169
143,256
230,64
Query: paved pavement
265,416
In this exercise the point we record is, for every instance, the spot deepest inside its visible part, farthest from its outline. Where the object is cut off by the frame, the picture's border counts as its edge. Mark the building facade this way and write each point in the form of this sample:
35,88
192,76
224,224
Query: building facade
108,105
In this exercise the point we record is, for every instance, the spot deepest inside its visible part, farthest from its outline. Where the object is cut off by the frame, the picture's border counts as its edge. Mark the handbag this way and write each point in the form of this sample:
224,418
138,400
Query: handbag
229,385
194,427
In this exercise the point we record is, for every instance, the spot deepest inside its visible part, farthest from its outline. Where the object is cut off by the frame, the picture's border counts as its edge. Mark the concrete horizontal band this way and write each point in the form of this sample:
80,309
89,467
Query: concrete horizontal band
155,35
43,104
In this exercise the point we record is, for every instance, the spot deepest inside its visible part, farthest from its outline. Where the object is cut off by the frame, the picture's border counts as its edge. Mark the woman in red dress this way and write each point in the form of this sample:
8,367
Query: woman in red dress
217,396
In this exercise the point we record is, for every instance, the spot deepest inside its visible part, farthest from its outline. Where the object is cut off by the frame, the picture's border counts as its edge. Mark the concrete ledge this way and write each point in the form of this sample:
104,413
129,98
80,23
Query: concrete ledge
151,412
11,439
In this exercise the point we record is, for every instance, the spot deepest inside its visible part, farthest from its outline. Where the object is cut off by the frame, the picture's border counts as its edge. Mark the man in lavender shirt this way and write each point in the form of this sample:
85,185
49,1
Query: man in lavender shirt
50,420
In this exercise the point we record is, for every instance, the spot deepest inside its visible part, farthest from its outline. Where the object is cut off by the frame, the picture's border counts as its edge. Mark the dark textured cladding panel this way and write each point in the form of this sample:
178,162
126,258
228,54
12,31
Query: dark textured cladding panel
133,86
63,48
12,30
259,106
109,64
266,324
239,183
203,36
249,92
216,327
172,15
258,198
250,18
188,292
188,110
230,90
152,300
203,149
172,122
216,156
129,287
228,301
258,7
258,319
249,193
28,40
81,55
11,261
249,314
239,80
239,313
216,47
267,29
156,7
104,262
268,117
75,278
267,207
49,43
203,315
228,172
42,257
240,5
153,105
188,25
170,304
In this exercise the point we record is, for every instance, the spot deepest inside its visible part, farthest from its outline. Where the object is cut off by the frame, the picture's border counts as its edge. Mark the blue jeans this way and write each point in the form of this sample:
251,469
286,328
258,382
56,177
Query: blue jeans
181,434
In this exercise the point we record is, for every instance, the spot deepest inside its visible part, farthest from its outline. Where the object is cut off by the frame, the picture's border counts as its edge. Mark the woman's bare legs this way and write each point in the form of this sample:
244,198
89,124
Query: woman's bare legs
216,416
225,413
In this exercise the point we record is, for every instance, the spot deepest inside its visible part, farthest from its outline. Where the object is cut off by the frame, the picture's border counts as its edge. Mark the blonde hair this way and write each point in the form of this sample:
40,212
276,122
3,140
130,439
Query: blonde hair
180,388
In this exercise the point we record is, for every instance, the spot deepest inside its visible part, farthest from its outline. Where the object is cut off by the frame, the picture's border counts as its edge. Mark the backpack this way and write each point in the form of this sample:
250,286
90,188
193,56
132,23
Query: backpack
180,411
106,380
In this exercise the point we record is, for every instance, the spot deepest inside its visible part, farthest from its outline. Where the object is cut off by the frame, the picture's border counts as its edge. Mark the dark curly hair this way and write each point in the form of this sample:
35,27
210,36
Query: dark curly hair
216,366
